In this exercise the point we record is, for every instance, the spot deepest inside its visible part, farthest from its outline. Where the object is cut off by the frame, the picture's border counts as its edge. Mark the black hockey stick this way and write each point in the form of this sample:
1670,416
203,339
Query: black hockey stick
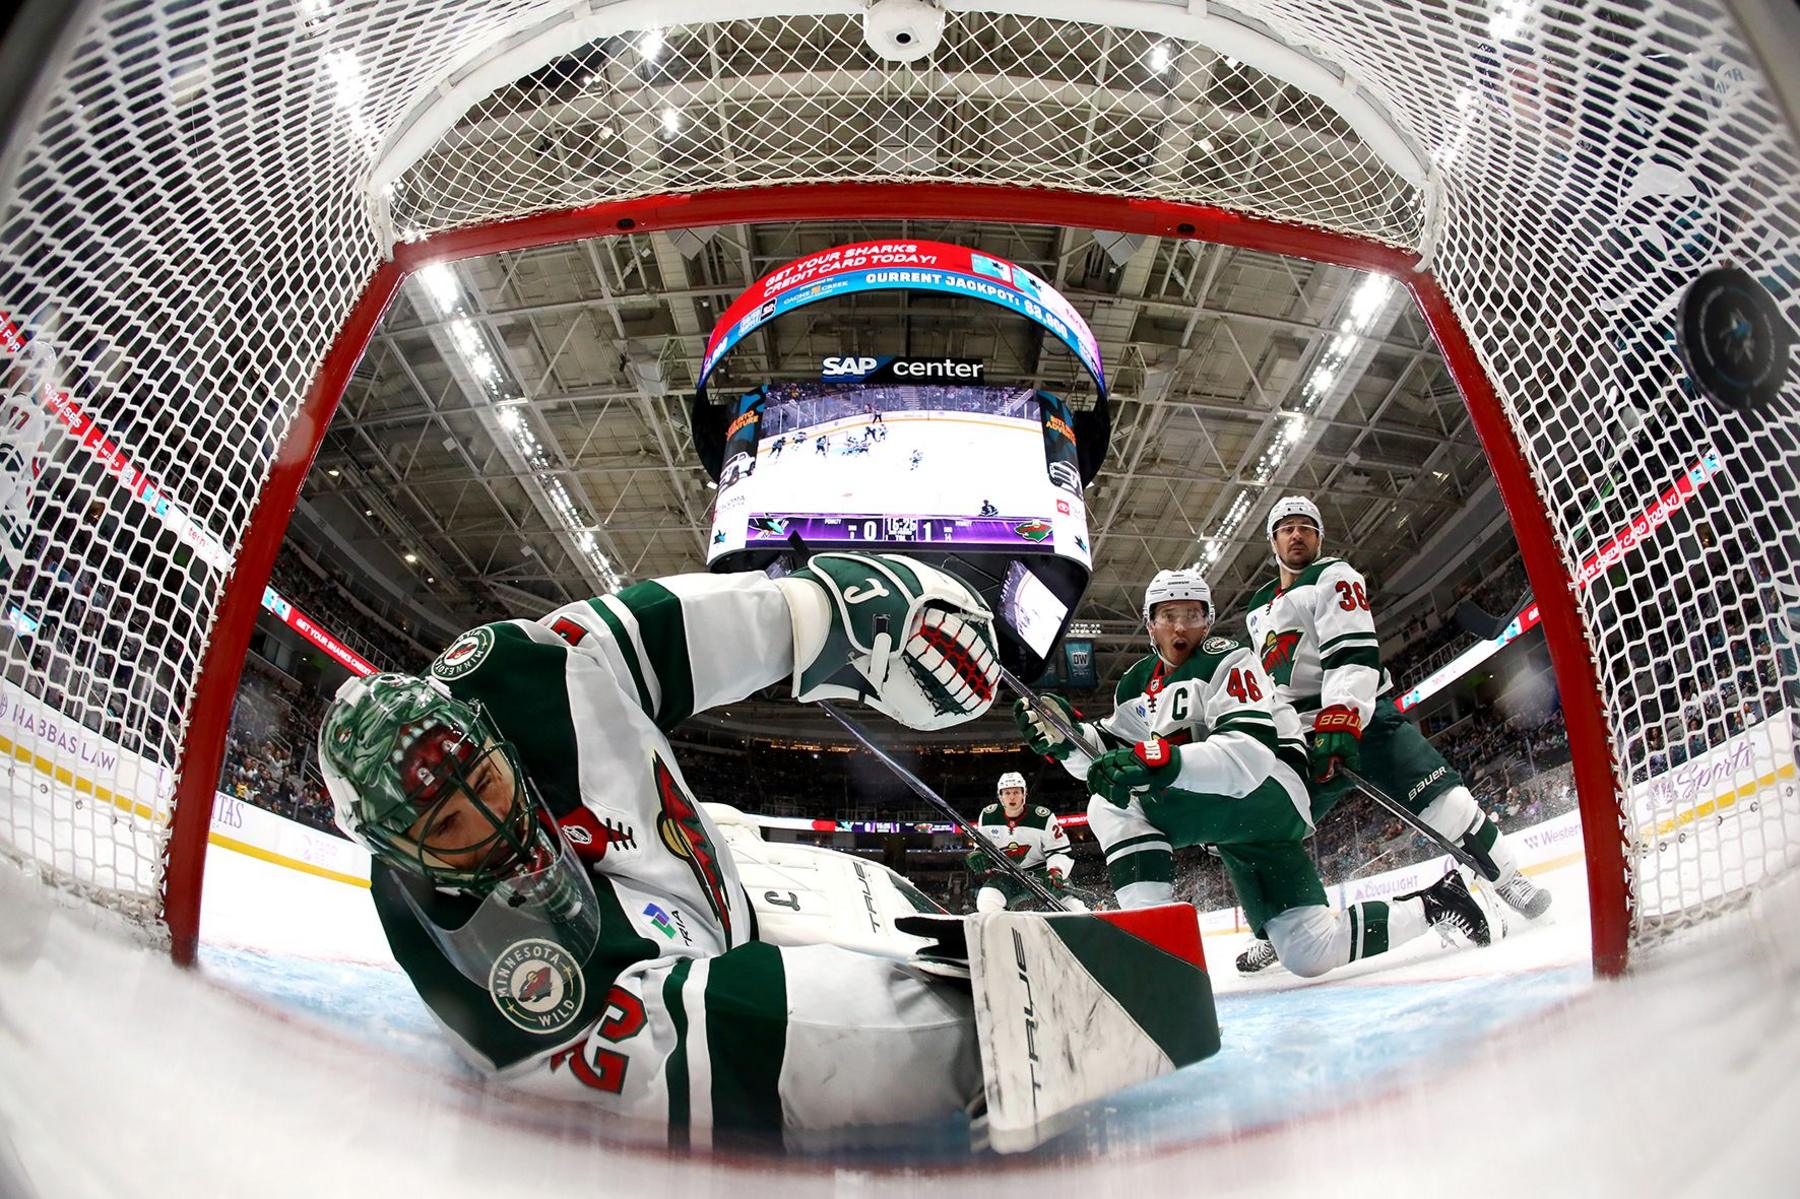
1049,712
1486,870
972,831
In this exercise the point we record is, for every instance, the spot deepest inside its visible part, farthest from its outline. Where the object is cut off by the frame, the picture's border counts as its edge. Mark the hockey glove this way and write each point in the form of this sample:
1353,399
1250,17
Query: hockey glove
1039,733
1146,769
1337,738
979,864
907,639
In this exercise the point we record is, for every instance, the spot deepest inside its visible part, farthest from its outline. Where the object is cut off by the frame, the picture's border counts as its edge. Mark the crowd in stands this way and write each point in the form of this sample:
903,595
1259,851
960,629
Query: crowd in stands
352,622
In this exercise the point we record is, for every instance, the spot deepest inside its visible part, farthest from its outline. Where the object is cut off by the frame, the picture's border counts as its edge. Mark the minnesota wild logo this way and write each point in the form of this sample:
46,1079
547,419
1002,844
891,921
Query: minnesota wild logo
1032,530
1278,655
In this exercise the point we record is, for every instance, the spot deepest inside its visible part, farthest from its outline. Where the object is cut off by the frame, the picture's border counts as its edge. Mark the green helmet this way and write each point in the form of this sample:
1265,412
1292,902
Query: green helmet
395,751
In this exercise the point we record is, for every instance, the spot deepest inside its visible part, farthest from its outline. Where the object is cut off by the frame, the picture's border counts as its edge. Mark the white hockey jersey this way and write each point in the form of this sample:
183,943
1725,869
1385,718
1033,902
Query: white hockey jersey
680,1017
1220,709
1035,839
1317,640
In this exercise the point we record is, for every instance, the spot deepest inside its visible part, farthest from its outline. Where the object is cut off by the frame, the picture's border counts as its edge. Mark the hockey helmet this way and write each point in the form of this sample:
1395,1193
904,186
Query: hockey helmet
1011,778
1176,585
395,750
1295,505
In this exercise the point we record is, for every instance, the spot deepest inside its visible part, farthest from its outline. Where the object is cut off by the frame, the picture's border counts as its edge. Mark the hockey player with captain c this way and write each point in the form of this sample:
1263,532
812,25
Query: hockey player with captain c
1314,628
573,916
1029,835
1206,753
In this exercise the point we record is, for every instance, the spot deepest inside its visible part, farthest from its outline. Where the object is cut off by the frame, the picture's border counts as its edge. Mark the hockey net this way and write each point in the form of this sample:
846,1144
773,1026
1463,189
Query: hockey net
204,210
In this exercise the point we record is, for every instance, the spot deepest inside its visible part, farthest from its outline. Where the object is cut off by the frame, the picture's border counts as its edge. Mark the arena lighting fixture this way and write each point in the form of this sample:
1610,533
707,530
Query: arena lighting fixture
1366,305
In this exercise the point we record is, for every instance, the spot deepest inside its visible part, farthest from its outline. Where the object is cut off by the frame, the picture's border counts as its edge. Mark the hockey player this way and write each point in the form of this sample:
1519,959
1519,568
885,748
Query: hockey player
775,448
1315,631
618,961
571,914
1206,754
1032,838
821,446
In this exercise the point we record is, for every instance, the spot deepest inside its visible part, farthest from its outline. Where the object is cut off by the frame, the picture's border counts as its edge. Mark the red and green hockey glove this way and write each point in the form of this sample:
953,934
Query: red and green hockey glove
1148,769
1336,739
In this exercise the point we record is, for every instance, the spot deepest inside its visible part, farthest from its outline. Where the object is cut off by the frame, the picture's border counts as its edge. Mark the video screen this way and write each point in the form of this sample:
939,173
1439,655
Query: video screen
900,466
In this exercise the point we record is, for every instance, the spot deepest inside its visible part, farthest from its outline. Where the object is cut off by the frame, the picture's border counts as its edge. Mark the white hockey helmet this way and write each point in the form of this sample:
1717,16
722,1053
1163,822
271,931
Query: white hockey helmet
1011,778
1295,505
1176,585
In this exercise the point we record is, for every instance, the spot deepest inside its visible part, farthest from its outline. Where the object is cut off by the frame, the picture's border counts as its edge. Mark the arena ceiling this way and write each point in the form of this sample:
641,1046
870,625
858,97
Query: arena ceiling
1211,351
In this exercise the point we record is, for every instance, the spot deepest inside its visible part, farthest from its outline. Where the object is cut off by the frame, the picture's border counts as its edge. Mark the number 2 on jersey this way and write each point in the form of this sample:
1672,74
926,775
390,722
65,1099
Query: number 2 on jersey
1243,687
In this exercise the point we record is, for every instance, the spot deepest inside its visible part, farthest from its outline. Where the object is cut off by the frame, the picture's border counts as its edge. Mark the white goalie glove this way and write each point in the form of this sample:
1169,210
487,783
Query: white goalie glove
909,640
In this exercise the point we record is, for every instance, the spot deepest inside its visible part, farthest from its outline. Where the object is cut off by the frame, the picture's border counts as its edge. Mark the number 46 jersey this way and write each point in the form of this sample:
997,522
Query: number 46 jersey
1317,640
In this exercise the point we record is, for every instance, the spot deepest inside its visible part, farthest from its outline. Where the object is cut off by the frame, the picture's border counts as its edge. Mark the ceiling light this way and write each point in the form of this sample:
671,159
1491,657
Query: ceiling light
333,472
412,559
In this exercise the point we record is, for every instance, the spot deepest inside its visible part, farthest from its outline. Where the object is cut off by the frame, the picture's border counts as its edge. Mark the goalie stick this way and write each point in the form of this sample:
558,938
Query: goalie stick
920,788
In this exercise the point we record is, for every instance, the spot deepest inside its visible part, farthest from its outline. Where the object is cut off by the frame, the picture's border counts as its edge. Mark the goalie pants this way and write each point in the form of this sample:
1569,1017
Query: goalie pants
1258,836
809,1046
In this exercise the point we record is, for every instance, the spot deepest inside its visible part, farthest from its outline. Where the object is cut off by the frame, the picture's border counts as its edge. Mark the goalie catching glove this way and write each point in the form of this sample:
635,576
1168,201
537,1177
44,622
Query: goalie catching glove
1040,734
1337,738
1148,769
911,641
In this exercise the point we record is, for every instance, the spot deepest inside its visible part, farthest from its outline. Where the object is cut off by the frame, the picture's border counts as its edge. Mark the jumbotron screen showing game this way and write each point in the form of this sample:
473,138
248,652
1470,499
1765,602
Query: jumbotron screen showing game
908,467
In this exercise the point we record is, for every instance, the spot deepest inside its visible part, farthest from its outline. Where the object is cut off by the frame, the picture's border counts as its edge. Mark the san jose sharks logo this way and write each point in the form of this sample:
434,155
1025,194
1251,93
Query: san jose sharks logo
685,836
1278,651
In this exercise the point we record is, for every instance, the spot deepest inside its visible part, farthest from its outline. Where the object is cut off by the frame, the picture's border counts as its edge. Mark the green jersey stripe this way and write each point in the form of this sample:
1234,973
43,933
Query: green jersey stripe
746,1031
1353,656
676,1072
664,629
1359,635
628,651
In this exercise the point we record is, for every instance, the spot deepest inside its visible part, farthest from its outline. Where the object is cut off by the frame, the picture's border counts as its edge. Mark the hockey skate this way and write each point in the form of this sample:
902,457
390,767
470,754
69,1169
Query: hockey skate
1450,908
1524,896
1260,956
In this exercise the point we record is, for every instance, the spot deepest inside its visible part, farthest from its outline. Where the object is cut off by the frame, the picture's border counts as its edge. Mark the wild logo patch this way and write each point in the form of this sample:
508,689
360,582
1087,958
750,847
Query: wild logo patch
465,654
537,986
1217,645
1032,530
1278,651
681,830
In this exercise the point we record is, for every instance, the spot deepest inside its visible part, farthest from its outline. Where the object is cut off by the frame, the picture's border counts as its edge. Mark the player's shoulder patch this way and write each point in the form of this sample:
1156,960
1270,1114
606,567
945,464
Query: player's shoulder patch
1041,810
1219,645
465,654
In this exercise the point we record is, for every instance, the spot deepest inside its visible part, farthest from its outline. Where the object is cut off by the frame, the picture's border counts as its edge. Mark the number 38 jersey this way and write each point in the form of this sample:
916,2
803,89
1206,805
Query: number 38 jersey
1317,640
1221,710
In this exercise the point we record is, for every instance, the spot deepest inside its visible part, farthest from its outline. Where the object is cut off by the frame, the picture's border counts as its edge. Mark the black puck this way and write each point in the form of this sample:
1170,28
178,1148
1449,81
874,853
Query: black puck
1733,339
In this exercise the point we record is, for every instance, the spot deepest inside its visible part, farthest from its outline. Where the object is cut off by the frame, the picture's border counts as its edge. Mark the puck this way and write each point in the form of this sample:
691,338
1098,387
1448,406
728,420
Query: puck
1733,339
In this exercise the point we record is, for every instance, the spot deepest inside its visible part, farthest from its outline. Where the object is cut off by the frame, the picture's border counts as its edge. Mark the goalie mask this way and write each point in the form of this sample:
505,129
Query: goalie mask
424,781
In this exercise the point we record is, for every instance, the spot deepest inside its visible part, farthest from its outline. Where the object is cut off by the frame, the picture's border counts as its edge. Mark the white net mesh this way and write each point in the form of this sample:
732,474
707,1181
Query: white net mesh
190,217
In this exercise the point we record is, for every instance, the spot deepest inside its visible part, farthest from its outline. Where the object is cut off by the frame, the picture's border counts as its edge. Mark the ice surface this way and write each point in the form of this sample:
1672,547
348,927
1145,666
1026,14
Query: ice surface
274,1070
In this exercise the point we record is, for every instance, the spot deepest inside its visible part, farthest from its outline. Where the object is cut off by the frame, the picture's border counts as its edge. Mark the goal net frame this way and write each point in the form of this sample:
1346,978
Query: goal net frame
1406,245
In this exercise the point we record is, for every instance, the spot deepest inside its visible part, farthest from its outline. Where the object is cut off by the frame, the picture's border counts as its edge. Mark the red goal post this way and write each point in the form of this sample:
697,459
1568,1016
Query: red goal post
1418,145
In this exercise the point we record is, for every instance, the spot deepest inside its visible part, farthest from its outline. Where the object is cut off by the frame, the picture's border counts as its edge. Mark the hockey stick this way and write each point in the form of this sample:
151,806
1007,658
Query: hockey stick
971,831
1387,802
1051,714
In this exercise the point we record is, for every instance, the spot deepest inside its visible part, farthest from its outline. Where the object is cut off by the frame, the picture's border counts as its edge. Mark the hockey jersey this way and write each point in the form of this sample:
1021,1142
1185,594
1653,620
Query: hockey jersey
1220,709
1317,640
585,696
1035,839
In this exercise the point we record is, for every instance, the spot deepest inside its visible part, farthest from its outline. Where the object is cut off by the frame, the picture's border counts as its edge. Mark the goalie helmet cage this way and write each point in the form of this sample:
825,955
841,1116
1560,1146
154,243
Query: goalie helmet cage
207,207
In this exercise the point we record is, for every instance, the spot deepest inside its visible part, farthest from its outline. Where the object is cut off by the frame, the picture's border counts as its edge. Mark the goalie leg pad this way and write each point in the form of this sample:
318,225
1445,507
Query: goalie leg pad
1072,1008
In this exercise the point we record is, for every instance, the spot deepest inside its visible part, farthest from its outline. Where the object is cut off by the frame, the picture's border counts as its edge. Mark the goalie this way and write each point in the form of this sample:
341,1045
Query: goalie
1032,838
573,916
